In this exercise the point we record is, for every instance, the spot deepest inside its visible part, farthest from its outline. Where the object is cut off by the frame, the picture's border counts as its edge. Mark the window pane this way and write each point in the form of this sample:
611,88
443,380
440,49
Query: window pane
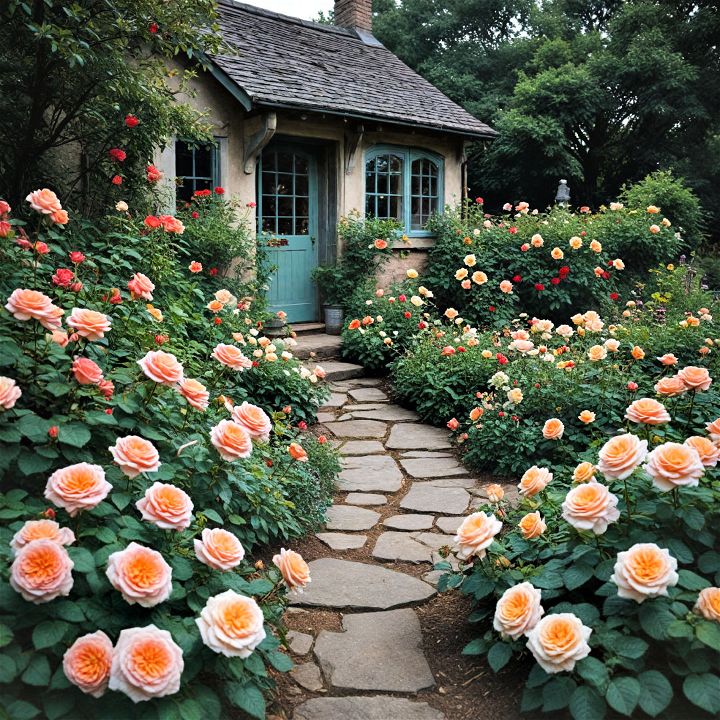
301,165
396,184
203,184
203,162
269,205
285,226
268,224
370,205
285,206
382,184
183,159
381,209
184,191
285,162
302,226
395,208
301,185
268,183
301,206
284,185
396,164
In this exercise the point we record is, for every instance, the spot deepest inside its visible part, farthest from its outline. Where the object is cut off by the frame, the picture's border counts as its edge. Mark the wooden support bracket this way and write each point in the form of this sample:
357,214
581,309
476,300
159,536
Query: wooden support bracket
255,144
352,143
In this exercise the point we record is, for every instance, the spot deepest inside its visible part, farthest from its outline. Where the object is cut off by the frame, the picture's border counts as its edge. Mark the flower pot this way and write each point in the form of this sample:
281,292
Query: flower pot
275,327
333,319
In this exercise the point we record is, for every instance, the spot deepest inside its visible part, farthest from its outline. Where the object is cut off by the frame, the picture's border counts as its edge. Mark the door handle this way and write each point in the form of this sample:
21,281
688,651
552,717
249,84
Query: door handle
312,240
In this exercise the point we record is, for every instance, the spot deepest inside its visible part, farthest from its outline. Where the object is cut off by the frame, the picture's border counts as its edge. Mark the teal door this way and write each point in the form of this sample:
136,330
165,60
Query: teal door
287,212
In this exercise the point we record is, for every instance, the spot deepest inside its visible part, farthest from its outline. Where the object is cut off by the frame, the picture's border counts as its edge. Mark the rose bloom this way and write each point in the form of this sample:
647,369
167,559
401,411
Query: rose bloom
670,386
495,493
597,352
518,610
162,367
293,568
534,480
590,506
87,662
44,201
195,393
232,357
254,419
147,663
515,396
668,359
42,571
476,533
380,244
708,452
479,277
620,455
297,452
537,240
41,530
637,352
558,641
135,455
9,393
553,429
506,287
644,571
166,506
672,465
172,224
77,487
195,267
611,344
648,412
695,378
708,604
231,440
140,574
89,324
532,525
34,305
461,274
476,413
584,472
219,549
713,430
225,297
575,243
60,217
231,624
557,254
451,313
86,371
595,246
59,337
587,417
141,286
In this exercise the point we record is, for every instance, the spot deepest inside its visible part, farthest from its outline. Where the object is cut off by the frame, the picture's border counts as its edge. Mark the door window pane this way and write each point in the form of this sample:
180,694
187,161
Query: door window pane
384,186
285,193
424,191
196,168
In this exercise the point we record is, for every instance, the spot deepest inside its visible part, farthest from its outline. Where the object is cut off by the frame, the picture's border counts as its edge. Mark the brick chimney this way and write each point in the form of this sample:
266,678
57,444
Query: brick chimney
354,14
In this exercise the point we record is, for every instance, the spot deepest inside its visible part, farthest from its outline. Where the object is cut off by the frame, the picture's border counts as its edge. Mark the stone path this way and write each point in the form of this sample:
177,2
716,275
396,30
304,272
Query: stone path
401,495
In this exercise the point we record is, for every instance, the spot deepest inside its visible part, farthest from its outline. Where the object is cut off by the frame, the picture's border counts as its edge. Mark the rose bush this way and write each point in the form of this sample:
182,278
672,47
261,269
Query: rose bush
142,460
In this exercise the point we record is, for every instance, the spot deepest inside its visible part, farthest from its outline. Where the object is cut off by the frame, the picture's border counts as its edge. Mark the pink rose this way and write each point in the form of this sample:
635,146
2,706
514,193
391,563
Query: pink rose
644,571
140,574
232,357
254,419
89,323
647,411
195,393
31,304
45,529
672,465
558,641
534,480
219,549
295,571
135,455
87,662
231,440
476,534
695,378
231,624
44,201
518,610
166,506
620,455
86,371
77,487
162,367
42,571
9,393
141,286
590,506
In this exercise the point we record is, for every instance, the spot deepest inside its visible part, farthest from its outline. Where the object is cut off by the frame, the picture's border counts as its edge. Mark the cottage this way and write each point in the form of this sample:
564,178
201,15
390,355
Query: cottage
313,121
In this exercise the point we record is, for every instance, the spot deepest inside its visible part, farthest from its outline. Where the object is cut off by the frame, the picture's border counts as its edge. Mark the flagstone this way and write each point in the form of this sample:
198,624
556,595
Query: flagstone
342,541
449,524
335,400
425,454
358,429
300,643
392,413
361,447
410,436
355,498
349,517
432,467
362,707
308,675
401,546
369,473
426,497
409,522
368,394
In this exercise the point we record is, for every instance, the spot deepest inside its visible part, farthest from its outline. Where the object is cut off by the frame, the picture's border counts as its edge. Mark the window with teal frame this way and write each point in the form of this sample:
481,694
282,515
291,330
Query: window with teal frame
197,167
405,184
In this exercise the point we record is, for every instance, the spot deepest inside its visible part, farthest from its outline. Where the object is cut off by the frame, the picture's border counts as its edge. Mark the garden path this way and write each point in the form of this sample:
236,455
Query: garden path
400,497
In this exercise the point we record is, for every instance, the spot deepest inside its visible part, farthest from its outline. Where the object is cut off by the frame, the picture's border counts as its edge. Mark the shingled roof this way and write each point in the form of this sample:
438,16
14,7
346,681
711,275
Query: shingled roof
292,63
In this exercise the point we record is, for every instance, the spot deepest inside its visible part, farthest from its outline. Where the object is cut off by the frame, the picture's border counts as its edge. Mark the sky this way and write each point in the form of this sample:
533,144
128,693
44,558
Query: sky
306,9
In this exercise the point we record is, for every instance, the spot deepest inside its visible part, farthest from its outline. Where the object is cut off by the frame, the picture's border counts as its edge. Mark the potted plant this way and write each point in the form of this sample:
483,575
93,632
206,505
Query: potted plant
329,281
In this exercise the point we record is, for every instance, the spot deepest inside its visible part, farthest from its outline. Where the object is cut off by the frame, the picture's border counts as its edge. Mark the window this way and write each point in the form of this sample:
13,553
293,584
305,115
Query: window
197,167
403,184
285,193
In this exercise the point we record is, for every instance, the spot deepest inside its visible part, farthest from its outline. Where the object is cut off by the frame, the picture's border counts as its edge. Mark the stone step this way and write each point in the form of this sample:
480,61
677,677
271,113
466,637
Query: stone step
323,345
336,370
365,707
308,328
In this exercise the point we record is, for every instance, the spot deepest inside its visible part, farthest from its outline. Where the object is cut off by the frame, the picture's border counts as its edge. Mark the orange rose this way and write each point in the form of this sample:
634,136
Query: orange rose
141,286
354,324
254,419
195,393
195,267
232,357
708,452
708,604
60,217
670,386
231,624
597,353
668,359
587,417
590,506
297,452
44,201
644,571
648,412
553,429
672,465
86,371
479,277
87,662
620,455
713,430
42,571
135,455
215,306
166,506
532,525
534,480
495,493
162,367
89,323
231,440
695,378
140,574
34,305
293,568
476,534
584,472
41,530
219,549
77,487
9,393
558,641
518,610
476,413
380,244
637,352
59,337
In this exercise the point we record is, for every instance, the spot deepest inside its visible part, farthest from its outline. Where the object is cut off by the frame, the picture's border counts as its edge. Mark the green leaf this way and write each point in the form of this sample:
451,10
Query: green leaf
37,672
623,694
587,704
120,500
703,691
74,434
21,710
691,581
557,693
6,635
181,567
8,669
629,647
191,710
708,633
213,515
499,656
248,698
656,692
31,463
57,389
279,660
49,633
594,671
33,427
577,575
655,616
478,646
83,559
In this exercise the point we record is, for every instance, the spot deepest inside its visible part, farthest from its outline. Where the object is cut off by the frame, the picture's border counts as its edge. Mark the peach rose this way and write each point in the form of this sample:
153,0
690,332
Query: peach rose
637,352
231,440
195,393
647,411
587,417
558,641
644,571
590,506
297,452
34,305
42,571
146,664
532,525
162,367
495,493
166,506
135,455
708,604
86,371
231,624
708,452
140,574
479,277
620,455
695,378
77,487
584,472
232,357
713,430
87,662
44,201
293,568
59,337
518,610
89,323
215,306
670,386
476,413
553,429
219,549
41,530
476,534
597,353
9,393
672,465
534,480
141,286
254,419
668,359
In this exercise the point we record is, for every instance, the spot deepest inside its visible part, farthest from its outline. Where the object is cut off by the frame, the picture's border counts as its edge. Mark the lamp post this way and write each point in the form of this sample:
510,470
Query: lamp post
562,196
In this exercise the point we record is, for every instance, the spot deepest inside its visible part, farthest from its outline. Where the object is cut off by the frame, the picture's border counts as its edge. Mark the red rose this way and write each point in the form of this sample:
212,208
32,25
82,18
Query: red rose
49,513
479,200
605,275
555,281
564,271
116,180
407,315
255,363
421,325
217,321
131,121
524,247
117,154
614,296
153,28
53,431
512,230
539,287
76,287
632,386
77,257
302,425
63,277
583,233
219,191
152,222
5,228
213,271
153,174
251,204
501,414
517,278
501,359
195,214
491,308
41,248
460,349
402,298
